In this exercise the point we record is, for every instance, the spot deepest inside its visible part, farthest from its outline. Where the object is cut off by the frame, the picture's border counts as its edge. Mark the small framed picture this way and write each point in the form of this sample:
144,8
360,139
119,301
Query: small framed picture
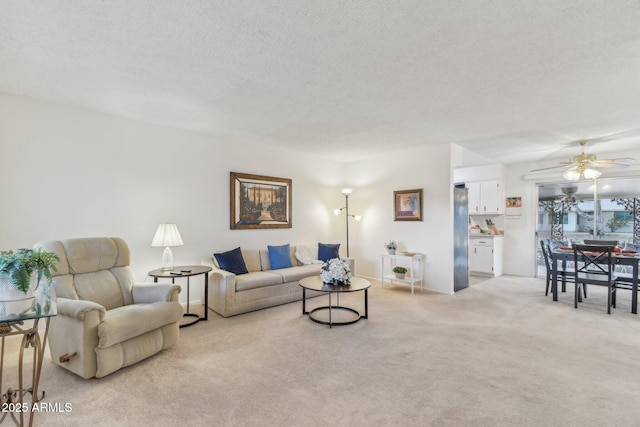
407,205
513,206
259,201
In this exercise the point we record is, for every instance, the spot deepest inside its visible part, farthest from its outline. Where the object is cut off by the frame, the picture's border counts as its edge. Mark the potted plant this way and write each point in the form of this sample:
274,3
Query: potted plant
391,247
22,271
399,272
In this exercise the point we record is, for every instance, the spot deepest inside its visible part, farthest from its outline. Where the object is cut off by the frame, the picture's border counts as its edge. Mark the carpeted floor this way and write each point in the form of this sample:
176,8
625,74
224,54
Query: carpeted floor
497,354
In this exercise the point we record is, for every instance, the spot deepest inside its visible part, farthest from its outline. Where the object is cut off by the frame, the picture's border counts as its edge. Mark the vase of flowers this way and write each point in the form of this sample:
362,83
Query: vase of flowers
335,271
391,247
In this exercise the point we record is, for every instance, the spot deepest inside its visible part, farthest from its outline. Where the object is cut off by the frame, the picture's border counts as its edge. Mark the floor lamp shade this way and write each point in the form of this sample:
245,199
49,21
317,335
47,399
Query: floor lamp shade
167,235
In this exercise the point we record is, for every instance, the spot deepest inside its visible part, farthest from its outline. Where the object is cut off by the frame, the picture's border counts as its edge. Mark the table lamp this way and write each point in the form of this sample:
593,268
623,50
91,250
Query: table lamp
167,235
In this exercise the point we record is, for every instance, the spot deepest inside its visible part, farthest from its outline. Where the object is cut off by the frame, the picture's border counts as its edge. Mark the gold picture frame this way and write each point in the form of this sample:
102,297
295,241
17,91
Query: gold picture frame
259,201
407,205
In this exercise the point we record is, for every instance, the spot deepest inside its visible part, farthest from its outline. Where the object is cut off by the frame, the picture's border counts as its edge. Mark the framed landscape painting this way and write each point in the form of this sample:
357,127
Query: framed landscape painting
407,205
259,201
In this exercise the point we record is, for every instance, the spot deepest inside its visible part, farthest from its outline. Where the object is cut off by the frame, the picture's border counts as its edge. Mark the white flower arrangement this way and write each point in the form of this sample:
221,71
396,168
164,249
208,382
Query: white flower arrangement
391,245
335,271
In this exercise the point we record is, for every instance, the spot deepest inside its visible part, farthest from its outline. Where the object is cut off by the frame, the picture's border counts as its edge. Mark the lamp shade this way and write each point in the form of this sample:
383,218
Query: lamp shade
167,235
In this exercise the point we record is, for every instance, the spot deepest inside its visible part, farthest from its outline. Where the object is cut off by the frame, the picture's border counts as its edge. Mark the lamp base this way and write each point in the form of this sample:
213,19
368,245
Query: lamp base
167,259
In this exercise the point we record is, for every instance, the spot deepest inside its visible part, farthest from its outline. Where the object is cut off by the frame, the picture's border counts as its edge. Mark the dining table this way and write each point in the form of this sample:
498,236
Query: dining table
622,258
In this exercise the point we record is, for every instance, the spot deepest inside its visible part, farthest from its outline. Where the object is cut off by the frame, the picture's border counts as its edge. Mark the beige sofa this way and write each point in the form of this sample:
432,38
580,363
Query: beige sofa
106,322
261,287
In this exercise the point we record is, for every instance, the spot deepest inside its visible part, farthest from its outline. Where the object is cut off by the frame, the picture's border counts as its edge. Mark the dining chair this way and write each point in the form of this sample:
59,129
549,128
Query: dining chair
613,243
625,272
594,265
565,273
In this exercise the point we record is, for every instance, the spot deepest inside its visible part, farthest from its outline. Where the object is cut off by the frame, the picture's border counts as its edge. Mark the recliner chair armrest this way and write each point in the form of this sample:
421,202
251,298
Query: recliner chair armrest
144,293
78,309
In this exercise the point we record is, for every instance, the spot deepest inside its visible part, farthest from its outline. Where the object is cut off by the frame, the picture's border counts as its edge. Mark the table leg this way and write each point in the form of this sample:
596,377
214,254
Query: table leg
304,300
330,321
188,297
206,296
634,289
554,277
366,304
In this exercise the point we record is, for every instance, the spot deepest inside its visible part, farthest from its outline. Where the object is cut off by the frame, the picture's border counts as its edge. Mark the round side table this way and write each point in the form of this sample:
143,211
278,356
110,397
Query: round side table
187,271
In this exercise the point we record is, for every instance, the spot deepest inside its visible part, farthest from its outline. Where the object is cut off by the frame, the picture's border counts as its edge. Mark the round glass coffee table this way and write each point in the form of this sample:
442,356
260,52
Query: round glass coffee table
315,284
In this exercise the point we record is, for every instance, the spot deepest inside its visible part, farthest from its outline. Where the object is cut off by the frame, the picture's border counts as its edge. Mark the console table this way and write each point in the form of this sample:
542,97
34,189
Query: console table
414,263
42,307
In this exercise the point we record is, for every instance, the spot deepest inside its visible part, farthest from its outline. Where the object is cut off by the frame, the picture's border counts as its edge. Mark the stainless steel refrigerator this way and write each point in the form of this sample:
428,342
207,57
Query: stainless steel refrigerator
460,238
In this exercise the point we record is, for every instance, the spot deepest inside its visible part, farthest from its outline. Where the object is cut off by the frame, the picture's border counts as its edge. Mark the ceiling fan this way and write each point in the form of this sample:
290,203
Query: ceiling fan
585,166
569,194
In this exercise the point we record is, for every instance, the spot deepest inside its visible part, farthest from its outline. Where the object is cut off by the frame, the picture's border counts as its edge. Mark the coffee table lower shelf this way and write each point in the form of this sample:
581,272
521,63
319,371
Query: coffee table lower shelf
331,322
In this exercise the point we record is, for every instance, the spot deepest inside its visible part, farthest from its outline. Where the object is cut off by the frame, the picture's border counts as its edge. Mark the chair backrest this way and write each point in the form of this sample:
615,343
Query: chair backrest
601,242
593,260
94,269
544,244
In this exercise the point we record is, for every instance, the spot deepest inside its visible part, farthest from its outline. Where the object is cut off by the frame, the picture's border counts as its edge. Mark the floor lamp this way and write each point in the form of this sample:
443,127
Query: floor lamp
347,192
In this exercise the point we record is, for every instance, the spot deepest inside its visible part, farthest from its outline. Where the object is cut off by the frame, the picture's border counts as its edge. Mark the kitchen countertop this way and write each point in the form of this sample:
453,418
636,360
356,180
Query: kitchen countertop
482,236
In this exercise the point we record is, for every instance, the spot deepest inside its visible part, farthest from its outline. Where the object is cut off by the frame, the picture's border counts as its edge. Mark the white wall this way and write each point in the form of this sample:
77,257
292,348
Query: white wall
374,181
68,173
519,231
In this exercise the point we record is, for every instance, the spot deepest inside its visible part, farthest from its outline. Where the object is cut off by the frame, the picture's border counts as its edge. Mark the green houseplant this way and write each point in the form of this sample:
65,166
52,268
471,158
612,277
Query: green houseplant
19,267
399,272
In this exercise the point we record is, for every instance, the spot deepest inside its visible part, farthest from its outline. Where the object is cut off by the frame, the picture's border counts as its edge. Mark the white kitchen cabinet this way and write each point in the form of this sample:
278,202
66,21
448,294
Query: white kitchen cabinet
485,256
484,197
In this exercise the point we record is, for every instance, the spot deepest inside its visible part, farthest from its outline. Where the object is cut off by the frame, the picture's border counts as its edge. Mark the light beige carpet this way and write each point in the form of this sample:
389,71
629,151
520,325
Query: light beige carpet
497,354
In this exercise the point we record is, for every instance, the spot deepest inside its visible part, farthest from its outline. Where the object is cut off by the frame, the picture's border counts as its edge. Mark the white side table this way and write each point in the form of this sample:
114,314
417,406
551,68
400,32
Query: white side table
414,263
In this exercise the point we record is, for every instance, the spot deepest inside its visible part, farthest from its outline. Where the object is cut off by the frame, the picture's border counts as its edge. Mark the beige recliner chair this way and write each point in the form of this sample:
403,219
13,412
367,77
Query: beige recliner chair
105,322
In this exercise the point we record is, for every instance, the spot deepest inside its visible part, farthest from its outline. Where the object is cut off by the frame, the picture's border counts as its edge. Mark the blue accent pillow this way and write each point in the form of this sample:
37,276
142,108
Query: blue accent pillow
280,256
327,251
232,261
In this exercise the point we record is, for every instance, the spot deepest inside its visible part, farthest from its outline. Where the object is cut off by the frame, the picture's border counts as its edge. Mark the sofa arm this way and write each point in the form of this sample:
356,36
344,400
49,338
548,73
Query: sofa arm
144,293
222,279
222,289
80,309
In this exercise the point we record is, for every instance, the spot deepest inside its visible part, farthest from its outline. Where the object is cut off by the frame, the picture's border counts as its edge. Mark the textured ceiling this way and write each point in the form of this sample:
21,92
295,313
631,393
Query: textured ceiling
513,80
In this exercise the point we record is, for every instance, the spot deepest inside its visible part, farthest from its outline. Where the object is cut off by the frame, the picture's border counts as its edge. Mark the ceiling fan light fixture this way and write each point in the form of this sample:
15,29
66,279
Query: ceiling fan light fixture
576,174
571,175
591,173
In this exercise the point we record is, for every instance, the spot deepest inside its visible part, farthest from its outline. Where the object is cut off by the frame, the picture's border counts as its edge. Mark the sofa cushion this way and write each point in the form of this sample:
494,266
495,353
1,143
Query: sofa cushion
280,256
266,262
307,253
232,261
257,279
327,251
294,274
252,259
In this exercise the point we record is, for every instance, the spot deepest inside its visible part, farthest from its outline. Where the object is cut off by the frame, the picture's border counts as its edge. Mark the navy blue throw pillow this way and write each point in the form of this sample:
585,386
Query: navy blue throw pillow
327,251
280,256
232,261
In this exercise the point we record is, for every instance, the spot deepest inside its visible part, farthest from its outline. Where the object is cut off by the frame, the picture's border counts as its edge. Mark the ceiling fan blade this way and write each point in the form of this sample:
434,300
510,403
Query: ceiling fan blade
563,166
620,163
624,160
